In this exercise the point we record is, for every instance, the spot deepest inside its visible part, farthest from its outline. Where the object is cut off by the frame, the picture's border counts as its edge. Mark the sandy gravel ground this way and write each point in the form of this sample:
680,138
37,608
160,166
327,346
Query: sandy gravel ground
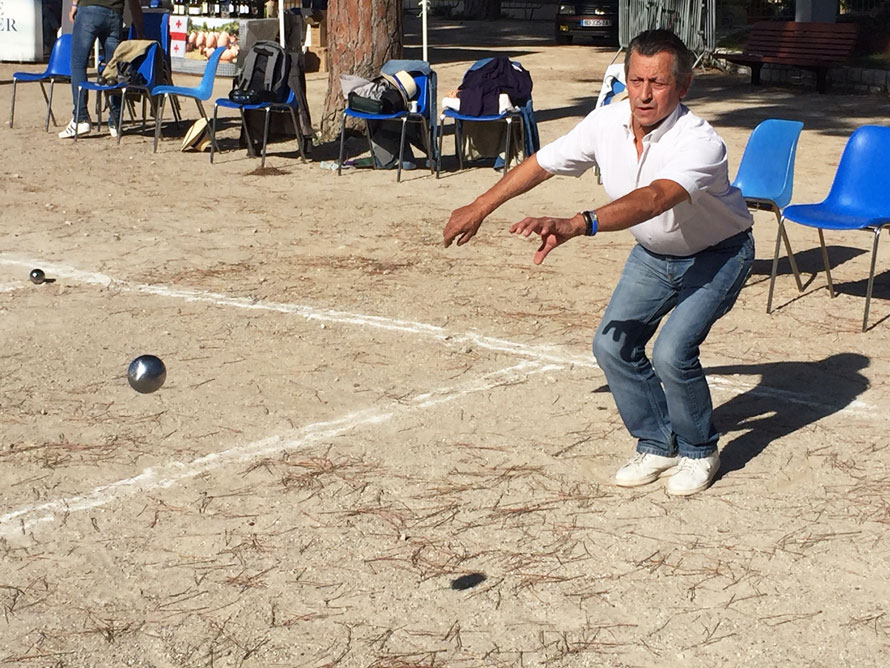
374,452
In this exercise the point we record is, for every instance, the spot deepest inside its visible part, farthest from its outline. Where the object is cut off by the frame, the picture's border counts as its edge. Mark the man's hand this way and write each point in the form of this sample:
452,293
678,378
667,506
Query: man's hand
463,224
465,221
553,231
71,12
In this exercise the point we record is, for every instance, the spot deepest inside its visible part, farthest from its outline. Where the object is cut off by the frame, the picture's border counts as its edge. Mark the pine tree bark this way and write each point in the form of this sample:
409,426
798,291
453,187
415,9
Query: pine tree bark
362,35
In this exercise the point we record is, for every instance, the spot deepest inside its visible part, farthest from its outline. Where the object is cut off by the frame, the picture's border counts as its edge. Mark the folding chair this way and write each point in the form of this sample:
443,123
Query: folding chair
146,66
200,93
288,106
507,117
425,115
766,176
857,201
58,69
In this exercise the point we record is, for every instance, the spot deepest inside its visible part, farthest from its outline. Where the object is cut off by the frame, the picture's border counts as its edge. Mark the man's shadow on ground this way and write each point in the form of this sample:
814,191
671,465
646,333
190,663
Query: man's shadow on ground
790,396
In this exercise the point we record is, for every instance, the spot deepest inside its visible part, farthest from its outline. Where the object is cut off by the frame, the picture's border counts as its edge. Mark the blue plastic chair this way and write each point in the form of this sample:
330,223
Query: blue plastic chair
58,69
156,26
766,176
147,68
288,106
425,111
200,93
858,200
508,117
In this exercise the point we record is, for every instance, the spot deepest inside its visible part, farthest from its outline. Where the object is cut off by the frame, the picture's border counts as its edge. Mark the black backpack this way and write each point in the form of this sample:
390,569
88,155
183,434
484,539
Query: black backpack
263,76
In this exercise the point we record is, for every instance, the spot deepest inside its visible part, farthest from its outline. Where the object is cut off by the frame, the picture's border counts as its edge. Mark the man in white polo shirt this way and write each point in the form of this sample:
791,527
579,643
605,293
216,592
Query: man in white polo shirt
666,172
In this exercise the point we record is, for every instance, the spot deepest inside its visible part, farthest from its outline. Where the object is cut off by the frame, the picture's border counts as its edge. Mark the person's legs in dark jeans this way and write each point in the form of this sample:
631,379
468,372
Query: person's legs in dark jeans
91,23
110,41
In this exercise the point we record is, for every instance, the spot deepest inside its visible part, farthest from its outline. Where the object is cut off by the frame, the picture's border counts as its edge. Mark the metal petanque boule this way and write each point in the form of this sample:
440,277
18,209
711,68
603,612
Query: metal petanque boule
37,276
146,373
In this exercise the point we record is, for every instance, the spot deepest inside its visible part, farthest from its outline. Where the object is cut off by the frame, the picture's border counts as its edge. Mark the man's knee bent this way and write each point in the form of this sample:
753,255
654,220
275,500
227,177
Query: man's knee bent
673,361
607,350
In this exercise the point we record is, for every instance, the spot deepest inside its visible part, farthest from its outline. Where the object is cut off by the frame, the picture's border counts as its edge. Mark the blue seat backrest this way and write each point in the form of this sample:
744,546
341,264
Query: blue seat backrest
766,171
60,57
205,88
147,66
862,181
423,93
156,26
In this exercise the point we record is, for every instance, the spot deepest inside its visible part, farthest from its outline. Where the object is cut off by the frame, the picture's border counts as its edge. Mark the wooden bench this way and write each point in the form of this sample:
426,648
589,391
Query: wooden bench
810,46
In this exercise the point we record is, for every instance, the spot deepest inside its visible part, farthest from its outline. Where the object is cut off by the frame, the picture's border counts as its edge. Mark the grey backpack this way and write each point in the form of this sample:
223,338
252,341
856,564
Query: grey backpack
263,76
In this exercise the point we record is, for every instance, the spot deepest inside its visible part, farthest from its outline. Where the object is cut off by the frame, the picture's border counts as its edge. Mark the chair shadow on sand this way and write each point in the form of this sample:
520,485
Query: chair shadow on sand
789,396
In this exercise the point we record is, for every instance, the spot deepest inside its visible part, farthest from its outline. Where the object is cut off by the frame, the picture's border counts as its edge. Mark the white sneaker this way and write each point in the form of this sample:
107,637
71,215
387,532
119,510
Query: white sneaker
82,128
644,468
693,475
112,131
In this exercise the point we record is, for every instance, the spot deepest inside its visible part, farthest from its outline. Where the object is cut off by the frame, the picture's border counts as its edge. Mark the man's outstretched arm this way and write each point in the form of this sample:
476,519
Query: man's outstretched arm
465,221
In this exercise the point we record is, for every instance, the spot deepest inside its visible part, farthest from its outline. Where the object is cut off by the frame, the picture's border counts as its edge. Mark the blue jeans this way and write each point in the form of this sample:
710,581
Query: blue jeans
92,23
665,403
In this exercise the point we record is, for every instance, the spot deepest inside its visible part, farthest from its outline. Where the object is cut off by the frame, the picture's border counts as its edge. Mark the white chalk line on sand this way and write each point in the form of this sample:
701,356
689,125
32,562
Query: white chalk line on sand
171,473
539,353
544,354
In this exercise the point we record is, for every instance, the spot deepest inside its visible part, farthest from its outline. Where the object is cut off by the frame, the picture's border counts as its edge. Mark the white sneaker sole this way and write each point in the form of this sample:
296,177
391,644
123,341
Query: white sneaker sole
639,482
694,490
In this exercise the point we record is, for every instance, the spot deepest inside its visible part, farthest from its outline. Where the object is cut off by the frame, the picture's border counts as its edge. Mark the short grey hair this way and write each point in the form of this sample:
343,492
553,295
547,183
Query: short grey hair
652,42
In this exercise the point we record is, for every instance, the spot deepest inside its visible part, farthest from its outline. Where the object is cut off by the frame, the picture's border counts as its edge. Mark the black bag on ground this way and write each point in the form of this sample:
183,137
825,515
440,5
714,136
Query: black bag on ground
263,76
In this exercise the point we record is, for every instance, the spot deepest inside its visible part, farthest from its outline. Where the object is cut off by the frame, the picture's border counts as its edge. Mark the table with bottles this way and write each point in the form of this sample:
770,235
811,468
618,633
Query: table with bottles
199,28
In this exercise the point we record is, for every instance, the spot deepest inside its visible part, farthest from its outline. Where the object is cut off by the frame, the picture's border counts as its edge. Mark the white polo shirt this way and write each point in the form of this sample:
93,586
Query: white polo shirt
684,149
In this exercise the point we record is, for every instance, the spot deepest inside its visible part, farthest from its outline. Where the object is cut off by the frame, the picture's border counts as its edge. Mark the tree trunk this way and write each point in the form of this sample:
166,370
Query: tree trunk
482,9
362,35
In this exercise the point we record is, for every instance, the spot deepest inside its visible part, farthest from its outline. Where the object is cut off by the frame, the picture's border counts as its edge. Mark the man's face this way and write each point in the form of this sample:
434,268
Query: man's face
652,90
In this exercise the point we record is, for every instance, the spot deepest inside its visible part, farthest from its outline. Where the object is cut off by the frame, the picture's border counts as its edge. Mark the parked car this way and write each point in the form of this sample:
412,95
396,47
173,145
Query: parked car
596,20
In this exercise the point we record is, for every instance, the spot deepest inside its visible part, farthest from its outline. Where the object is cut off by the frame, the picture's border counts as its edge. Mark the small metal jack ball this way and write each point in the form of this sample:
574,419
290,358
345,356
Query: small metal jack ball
146,373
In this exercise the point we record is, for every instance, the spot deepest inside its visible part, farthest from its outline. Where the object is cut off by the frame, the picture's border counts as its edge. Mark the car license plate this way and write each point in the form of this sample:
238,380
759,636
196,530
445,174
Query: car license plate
595,23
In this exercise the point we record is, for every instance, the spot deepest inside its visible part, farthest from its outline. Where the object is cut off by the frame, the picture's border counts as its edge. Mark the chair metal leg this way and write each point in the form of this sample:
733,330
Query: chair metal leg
12,105
788,250
250,152
772,276
299,134
210,126
871,277
428,136
49,106
77,113
342,144
177,112
439,138
521,146
213,145
825,262
509,120
265,138
458,143
159,117
120,116
401,149
370,144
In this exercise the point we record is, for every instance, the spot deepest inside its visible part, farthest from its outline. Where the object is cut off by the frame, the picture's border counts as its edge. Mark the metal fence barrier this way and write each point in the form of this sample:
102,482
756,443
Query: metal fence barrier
693,21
